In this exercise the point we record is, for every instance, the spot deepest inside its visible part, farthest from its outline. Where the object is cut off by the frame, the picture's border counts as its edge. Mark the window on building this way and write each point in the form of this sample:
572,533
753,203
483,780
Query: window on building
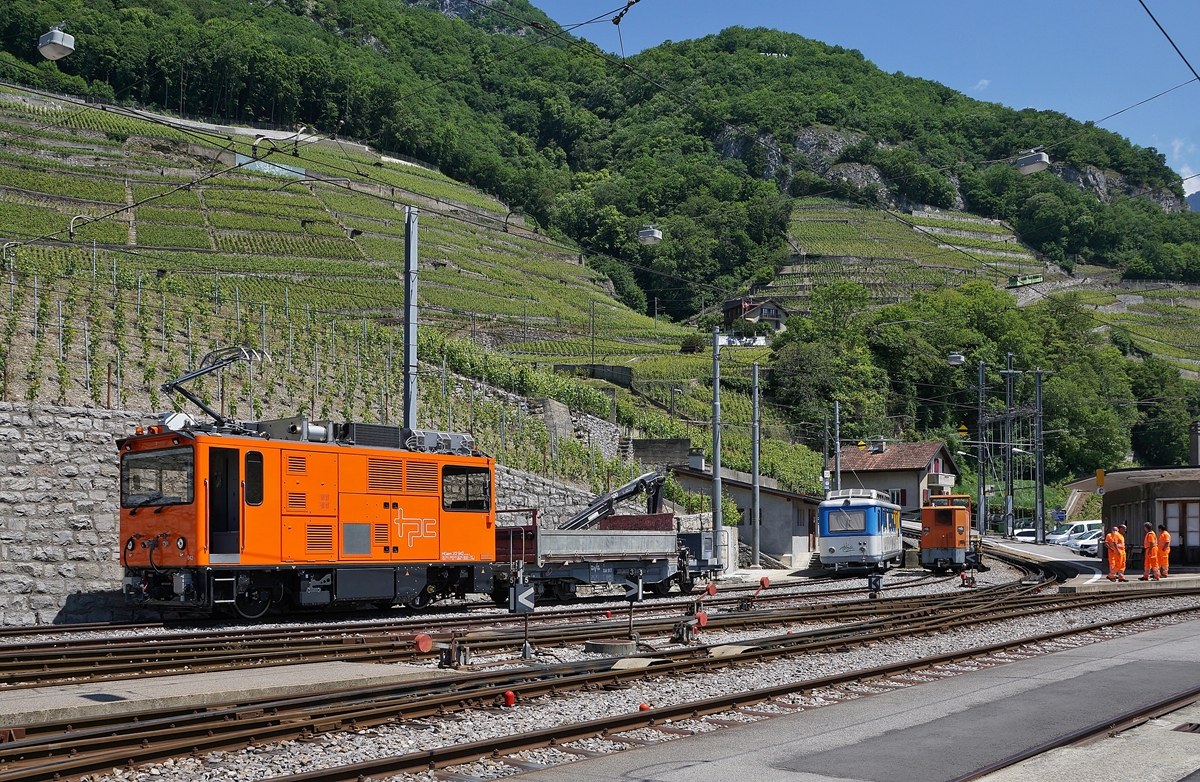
1183,522
898,496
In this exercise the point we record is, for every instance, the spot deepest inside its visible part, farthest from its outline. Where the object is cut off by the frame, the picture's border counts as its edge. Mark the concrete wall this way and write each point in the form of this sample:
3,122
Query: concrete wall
662,451
59,523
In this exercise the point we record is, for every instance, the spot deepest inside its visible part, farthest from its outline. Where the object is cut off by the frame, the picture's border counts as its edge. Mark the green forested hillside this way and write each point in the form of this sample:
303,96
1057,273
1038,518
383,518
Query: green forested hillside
593,150
759,168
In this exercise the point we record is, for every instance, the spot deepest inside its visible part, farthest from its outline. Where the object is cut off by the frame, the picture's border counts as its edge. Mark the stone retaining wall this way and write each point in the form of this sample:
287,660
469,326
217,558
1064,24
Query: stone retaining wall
58,513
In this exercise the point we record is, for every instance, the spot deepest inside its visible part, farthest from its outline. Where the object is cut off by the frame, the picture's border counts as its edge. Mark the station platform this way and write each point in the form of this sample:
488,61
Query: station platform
1092,571
37,705
944,729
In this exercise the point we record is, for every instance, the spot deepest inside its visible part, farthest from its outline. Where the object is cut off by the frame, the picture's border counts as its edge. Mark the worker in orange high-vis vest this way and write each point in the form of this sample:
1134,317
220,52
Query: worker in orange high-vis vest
1114,544
1150,555
1164,549
1121,552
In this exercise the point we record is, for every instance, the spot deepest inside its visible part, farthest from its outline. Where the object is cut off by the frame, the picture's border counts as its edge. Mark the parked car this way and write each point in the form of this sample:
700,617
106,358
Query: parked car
1064,532
1090,548
1078,542
1025,535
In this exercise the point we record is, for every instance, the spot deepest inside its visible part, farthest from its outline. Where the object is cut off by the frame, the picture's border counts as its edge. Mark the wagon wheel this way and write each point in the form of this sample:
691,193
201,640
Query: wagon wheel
687,585
254,604
661,588
561,591
422,599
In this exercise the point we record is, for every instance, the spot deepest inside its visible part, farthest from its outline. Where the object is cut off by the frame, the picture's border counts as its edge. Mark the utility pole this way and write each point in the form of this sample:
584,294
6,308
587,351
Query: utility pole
837,446
1008,446
716,441
592,304
825,456
656,312
1039,487
410,317
981,489
755,508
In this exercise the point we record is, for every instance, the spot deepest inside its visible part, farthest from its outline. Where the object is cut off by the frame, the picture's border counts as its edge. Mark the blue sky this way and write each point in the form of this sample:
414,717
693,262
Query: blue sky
1086,59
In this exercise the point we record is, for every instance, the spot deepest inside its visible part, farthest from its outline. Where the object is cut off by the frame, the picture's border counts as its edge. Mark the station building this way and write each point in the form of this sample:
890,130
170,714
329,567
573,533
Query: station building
1159,495
906,472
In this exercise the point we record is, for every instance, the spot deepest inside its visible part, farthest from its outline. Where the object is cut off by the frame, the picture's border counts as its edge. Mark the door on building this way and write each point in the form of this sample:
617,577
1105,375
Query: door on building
1183,522
224,505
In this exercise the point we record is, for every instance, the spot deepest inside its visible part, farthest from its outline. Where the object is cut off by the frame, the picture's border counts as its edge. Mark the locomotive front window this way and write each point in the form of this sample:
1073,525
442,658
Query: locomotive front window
151,478
847,521
466,488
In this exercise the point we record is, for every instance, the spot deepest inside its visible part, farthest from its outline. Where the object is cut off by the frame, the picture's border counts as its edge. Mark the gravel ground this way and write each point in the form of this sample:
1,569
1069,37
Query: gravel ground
341,748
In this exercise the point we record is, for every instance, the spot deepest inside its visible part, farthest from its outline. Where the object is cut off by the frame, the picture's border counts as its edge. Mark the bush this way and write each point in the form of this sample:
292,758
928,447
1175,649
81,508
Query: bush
692,343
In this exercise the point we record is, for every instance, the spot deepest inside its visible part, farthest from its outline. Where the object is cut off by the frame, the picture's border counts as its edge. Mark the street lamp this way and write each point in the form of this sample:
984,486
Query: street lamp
56,44
957,360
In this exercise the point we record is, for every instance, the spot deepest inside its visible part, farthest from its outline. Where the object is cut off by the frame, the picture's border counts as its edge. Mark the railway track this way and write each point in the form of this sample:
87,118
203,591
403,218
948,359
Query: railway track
34,664
349,622
100,743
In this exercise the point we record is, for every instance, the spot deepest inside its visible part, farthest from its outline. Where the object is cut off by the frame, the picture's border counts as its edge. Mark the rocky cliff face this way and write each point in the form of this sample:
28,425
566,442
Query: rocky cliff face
818,148
469,12
1109,185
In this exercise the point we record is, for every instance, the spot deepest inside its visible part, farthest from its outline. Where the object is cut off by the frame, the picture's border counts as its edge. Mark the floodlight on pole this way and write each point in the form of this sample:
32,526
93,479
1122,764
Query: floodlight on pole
956,359
56,44
1032,160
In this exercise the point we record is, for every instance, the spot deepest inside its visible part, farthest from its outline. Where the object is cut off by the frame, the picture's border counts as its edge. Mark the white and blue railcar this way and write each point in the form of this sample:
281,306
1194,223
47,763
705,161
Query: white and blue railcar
859,529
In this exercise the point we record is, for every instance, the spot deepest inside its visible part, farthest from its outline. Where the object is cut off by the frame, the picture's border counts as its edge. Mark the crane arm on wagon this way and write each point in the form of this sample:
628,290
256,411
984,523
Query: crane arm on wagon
604,505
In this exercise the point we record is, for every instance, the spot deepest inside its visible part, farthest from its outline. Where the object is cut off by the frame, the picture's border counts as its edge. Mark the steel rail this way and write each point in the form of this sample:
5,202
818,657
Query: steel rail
40,666
388,624
145,739
392,648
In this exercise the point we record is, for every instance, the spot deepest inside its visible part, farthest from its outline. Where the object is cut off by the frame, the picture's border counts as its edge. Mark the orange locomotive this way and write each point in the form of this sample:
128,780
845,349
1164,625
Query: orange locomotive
946,532
240,517
288,512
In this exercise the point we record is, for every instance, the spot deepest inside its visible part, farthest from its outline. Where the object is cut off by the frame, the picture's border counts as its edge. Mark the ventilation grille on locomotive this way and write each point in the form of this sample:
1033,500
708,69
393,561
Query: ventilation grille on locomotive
385,475
297,500
320,537
422,478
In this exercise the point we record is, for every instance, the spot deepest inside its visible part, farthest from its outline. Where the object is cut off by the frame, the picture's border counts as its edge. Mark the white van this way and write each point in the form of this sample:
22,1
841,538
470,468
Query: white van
1064,532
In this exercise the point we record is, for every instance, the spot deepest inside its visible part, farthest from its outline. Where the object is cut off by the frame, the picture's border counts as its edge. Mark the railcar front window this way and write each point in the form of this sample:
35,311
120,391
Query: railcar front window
466,488
847,521
150,478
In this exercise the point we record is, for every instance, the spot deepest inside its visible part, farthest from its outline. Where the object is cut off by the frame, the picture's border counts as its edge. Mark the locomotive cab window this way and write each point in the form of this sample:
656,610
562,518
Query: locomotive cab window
466,488
254,478
150,478
847,520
